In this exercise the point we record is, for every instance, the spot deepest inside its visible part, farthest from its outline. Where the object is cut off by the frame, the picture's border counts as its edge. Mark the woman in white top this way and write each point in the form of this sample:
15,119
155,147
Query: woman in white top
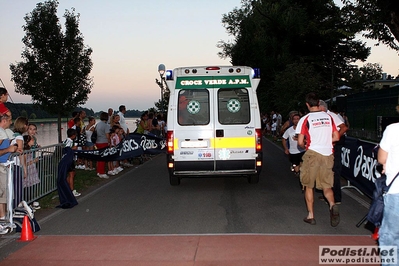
89,129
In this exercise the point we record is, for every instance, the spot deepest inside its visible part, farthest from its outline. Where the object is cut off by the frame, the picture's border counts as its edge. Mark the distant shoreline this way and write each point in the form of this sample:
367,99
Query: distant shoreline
47,130
47,120
63,120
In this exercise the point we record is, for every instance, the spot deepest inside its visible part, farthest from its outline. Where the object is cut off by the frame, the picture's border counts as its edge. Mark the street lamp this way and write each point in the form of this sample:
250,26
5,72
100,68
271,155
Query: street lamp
161,71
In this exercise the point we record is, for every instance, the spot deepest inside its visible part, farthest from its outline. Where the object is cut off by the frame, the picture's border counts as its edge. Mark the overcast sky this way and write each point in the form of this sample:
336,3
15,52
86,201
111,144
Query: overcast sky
130,38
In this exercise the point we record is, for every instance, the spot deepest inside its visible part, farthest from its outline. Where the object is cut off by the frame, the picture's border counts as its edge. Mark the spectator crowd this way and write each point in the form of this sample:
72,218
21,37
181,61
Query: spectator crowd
20,138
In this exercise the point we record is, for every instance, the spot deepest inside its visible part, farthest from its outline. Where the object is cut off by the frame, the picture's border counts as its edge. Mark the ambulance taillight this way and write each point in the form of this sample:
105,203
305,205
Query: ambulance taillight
258,140
169,142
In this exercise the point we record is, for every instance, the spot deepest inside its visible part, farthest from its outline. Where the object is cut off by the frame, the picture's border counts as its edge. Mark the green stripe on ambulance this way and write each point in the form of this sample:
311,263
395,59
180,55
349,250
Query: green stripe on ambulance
210,82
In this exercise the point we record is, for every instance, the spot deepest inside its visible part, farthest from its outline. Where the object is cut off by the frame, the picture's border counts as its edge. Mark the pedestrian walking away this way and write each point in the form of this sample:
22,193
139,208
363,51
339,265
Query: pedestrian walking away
342,128
290,144
317,132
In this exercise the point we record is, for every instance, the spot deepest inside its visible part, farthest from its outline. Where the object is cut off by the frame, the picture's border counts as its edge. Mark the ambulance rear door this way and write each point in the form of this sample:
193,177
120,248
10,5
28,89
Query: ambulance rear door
235,136
194,132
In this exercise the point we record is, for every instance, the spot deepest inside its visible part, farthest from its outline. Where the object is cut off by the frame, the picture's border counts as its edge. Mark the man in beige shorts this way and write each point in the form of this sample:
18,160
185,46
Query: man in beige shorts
316,133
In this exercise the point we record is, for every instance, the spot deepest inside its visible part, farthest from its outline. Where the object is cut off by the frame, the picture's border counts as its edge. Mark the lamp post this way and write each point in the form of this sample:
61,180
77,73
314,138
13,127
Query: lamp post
161,71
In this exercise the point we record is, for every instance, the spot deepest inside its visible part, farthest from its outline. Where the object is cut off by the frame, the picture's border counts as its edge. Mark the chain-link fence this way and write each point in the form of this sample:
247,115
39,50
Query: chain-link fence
363,110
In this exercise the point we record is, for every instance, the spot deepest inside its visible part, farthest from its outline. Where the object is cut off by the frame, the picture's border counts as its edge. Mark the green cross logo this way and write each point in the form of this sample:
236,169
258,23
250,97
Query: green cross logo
233,105
193,107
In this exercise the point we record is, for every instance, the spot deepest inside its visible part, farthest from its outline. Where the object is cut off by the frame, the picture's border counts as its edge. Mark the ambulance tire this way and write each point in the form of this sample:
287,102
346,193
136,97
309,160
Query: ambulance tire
253,179
174,180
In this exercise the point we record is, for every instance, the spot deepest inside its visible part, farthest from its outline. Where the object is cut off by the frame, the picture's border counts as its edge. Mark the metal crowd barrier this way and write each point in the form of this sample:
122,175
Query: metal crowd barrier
46,161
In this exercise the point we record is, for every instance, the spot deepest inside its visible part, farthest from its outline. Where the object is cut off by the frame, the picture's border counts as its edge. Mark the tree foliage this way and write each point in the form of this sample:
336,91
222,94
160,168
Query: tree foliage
18,108
56,65
305,79
291,37
371,71
357,76
379,19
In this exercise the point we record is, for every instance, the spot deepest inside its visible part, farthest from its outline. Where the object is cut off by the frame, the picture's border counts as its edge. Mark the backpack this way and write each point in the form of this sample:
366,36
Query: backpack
376,211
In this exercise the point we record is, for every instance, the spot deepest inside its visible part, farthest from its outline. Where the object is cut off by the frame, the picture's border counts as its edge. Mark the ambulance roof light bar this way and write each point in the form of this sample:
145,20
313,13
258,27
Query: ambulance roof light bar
169,75
256,73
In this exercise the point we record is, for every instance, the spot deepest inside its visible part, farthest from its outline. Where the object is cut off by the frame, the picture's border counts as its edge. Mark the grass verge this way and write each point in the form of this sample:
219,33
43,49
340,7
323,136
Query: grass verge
84,181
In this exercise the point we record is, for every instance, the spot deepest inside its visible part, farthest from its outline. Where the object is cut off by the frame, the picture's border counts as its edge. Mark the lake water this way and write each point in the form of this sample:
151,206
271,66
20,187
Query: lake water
47,132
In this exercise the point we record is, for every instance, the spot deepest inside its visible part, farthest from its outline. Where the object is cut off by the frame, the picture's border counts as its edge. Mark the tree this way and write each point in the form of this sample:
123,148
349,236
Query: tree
152,110
273,35
296,81
24,113
56,66
371,71
356,77
378,18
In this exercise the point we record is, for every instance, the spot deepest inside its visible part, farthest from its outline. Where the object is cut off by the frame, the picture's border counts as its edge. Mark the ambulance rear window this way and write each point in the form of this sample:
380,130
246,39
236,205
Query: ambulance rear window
233,106
193,107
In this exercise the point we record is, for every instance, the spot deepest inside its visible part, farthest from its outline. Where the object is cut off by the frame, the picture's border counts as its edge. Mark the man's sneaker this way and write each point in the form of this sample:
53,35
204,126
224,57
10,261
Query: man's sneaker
111,172
4,229
334,216
35,205
293,167
28,209
75,193
103,176
115,171
120,169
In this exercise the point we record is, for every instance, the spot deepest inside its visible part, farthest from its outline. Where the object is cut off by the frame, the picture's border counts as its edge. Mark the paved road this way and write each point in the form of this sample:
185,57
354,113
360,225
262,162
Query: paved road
141,202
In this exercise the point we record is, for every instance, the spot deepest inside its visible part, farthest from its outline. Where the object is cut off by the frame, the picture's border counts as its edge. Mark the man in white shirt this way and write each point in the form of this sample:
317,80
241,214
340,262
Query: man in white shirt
291,147
388,156
110,113
342,128
317,132
122,121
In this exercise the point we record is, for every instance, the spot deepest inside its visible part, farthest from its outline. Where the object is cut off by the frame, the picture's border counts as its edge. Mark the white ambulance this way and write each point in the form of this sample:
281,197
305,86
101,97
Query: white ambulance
213,121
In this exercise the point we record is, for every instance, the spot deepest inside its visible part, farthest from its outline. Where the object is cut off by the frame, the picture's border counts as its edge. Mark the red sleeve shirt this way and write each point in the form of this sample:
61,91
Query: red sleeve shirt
317,127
